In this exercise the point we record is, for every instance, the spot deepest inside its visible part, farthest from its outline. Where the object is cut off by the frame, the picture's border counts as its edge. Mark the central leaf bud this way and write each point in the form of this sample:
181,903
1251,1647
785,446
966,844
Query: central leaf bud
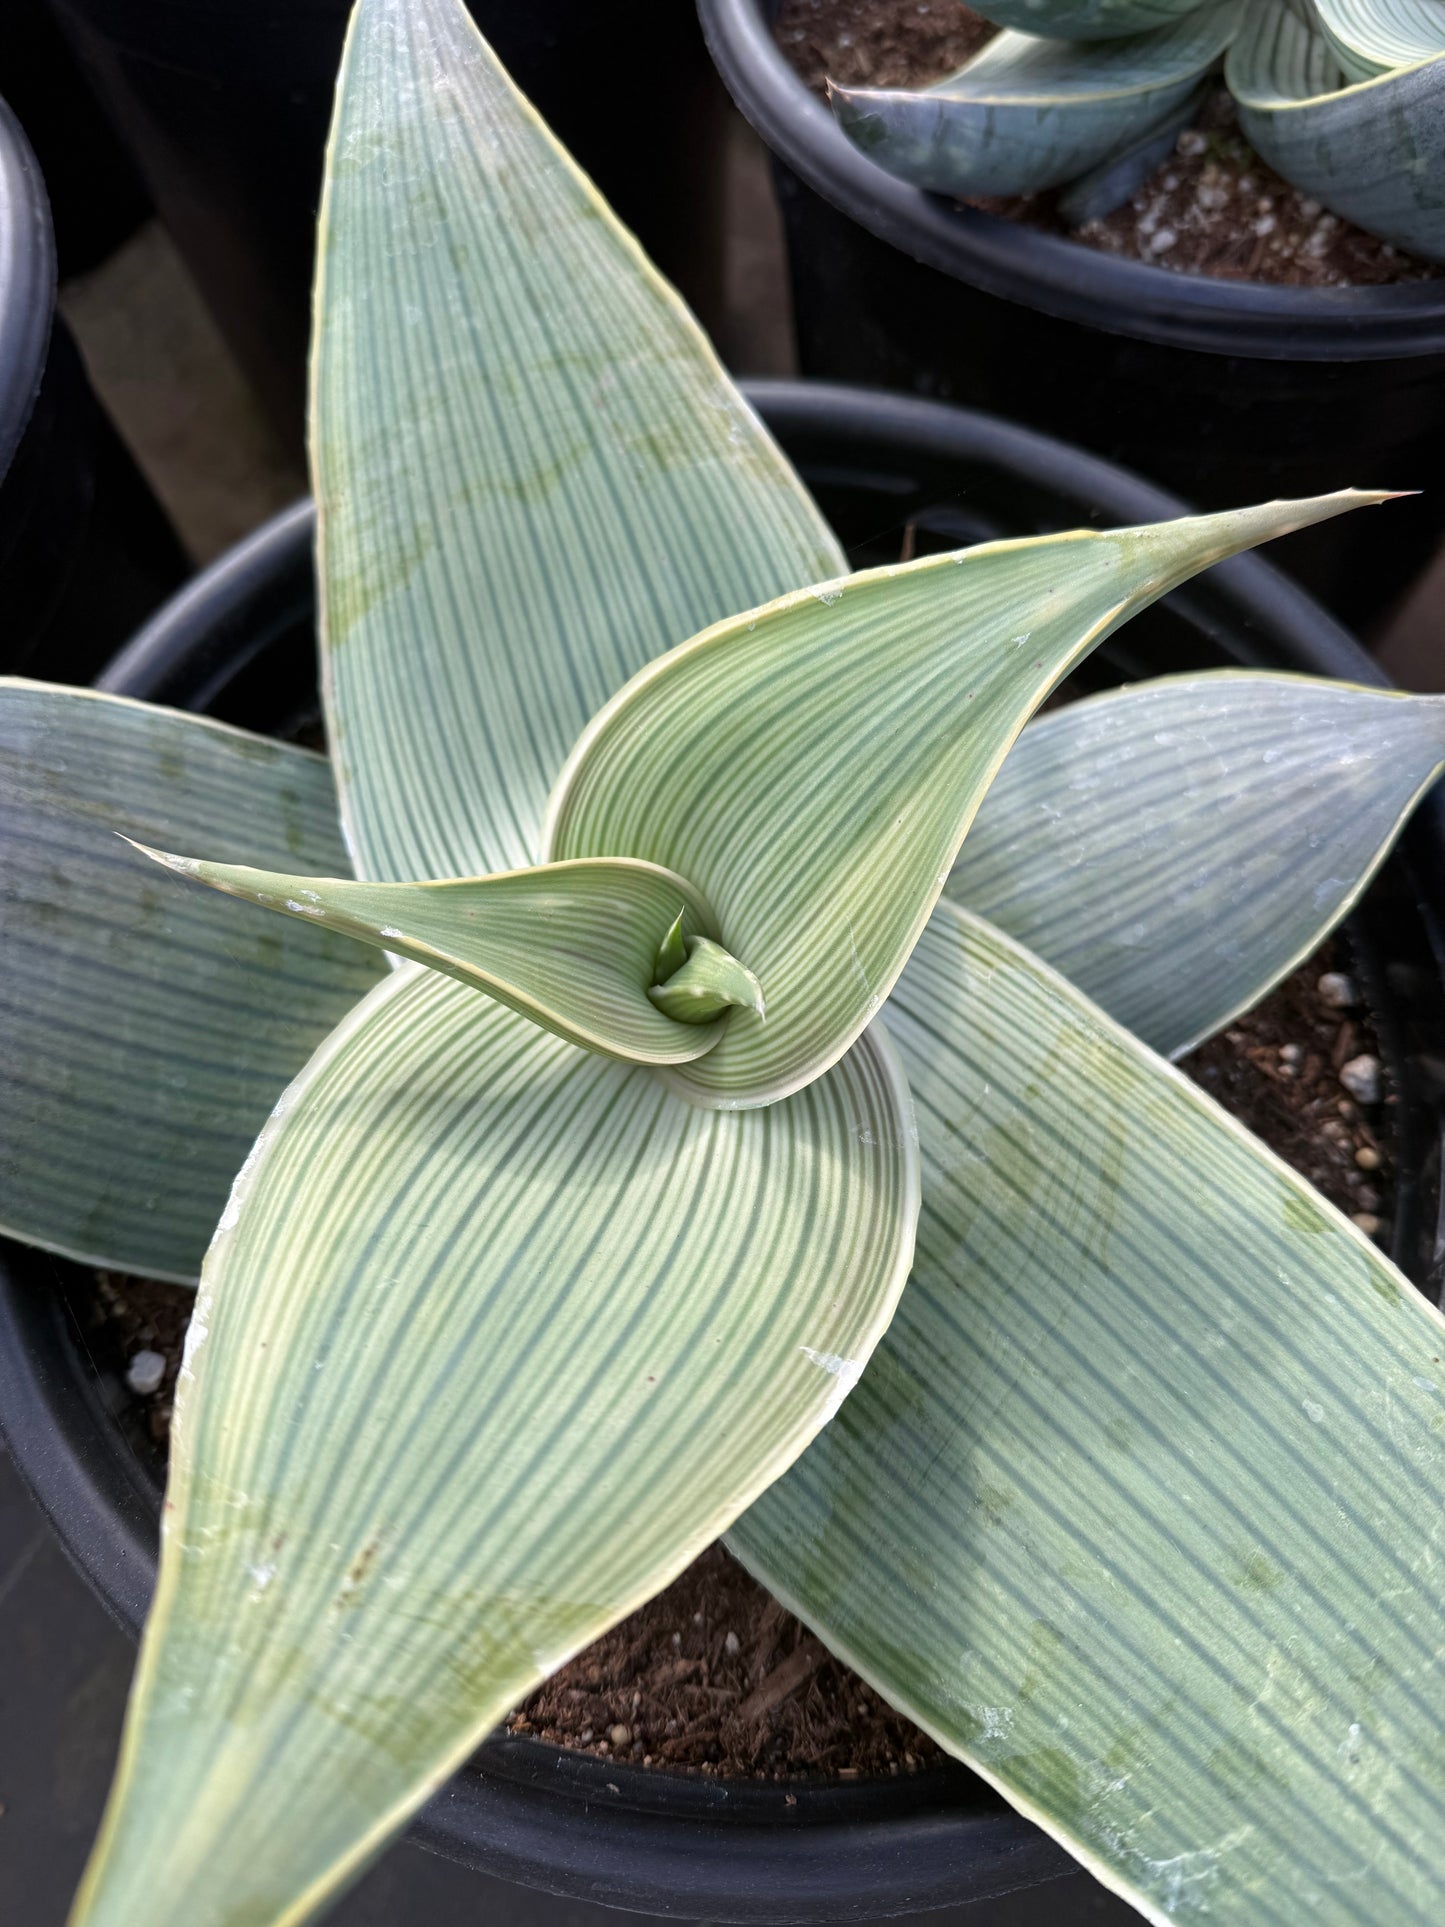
694,979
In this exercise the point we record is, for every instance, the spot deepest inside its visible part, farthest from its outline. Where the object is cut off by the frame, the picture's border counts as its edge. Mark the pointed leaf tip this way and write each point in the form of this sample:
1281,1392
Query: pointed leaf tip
814,765
449,482
671,952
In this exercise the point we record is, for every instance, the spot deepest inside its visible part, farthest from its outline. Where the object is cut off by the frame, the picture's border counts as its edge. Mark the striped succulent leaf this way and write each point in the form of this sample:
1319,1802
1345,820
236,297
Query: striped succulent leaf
531,471
1372,36
1177,847
1373,151
1087,19
495,1336
1136,1509
495,1333
1028,113
531,1326
573,946
148,1031
812,766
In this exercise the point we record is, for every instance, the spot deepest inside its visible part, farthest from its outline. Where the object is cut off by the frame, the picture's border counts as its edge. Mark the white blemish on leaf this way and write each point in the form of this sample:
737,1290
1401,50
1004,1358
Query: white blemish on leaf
995,1722
1183,1881
863,976
196,1334
846,1371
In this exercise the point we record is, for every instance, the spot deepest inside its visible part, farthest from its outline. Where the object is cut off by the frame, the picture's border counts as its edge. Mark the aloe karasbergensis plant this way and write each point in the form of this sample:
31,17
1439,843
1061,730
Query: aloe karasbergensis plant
1344,98
565,1244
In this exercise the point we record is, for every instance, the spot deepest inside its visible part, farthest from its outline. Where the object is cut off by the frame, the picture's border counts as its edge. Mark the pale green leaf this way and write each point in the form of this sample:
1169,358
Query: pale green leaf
1137,1509
533,474
495,1336
1373,152
708,980
812,767
1027,113
573,946
1177,847
1372,36
148,1031
1087,19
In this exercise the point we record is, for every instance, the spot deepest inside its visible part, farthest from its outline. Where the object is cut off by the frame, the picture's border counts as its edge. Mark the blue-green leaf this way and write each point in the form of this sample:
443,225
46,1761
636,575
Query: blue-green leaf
495,1336
1177,847
1027,113
1373,151
532,473
148,1029
1087,19
1137,1508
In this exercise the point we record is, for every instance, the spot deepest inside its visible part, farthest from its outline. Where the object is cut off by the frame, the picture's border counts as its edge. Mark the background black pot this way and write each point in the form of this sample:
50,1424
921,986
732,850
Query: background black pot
225,105
239,643
85,550
96,196
1228,391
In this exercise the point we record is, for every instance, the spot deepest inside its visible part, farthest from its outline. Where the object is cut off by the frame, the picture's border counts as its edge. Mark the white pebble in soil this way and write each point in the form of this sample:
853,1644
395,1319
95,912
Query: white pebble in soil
1361,1078
145,1373
1338,991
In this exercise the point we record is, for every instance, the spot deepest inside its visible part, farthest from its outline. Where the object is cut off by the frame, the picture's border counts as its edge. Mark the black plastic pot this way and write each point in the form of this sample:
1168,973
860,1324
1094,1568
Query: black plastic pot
85,550
96,196
239,643
1227,391
225,105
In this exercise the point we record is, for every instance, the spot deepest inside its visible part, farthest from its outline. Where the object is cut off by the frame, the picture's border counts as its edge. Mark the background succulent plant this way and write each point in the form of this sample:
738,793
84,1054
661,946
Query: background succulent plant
1129,1496
1344,98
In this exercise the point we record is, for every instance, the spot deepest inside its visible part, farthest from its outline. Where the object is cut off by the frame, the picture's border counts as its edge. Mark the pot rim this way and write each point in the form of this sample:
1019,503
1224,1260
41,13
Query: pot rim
27,283
1060,277
637,1839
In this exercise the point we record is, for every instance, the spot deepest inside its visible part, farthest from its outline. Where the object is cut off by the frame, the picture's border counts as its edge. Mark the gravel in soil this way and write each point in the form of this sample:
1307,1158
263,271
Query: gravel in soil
877,43
1303,1071
712,1676
1212,208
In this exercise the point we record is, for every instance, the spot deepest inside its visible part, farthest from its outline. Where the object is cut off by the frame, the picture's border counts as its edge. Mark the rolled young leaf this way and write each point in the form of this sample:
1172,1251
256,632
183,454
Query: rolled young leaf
1136,1508
1177,847
495,1336
1087,19
572,946
1373,152
148,1032
812,767
709,980
532,473
1026,114
1372,36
